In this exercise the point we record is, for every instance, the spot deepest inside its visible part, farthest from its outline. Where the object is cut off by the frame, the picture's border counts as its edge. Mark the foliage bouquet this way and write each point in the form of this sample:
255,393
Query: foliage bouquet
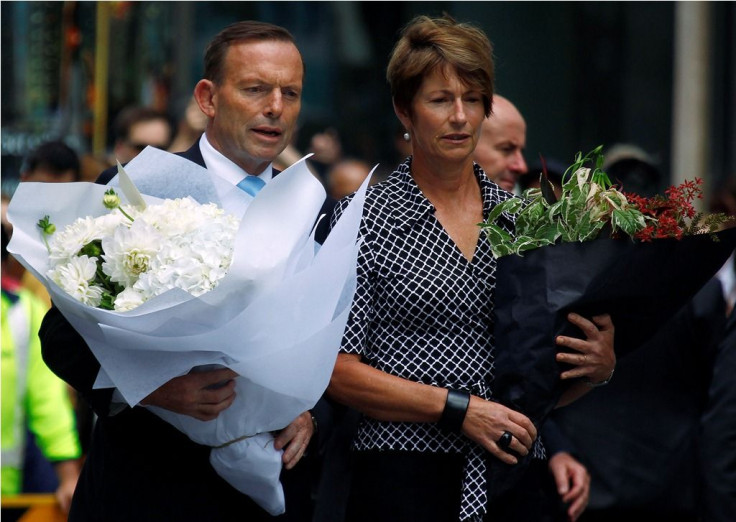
168,283
595,250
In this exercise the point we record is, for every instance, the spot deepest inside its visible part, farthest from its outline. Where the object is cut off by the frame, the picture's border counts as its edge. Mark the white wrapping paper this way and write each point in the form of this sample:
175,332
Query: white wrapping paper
276,319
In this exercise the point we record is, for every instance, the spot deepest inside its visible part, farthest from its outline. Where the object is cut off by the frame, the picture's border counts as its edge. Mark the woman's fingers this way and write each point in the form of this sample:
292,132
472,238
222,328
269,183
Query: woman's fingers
486,422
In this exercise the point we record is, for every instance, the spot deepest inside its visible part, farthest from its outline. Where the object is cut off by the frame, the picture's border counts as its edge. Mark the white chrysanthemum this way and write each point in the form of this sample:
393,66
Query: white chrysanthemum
75,278
128,299
129,252
174,244
67,243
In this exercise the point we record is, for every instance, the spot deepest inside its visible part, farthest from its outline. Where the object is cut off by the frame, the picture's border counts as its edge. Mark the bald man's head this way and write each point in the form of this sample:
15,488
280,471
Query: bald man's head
501,145
346,176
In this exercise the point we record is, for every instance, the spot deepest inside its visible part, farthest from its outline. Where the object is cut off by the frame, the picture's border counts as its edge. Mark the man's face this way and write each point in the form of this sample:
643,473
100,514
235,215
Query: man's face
156,133
253,111
46,175
500,150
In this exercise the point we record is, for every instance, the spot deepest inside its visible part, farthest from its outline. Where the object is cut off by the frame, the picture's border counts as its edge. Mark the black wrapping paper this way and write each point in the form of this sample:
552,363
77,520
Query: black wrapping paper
642,285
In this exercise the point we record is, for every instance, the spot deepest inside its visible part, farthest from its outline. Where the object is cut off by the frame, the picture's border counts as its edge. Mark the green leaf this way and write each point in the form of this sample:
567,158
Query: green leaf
511,206
500,240
107,302
629,220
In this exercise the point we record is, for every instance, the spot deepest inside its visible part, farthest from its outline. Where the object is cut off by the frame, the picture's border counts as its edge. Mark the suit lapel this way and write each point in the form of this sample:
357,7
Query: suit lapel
193,154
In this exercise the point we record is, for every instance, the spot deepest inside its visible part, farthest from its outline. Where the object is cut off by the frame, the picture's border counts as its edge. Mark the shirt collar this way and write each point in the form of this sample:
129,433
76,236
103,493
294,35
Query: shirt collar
225,168
412,205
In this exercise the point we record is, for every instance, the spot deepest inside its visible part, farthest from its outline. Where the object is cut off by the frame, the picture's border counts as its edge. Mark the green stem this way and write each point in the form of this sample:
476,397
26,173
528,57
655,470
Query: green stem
126,214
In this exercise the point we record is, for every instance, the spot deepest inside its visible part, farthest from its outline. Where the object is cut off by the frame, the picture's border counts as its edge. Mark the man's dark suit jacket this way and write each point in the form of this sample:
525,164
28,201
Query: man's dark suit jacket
718,434
138,466
638,435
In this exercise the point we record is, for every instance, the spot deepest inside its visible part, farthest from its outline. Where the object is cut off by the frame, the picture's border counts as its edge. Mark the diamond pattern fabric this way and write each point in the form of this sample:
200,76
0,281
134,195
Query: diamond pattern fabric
423,312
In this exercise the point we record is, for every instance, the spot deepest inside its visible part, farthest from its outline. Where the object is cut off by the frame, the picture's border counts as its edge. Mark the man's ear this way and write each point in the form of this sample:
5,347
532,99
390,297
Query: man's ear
204,94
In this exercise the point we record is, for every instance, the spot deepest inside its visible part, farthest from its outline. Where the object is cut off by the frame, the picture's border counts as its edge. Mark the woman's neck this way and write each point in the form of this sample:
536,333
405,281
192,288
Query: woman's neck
445,183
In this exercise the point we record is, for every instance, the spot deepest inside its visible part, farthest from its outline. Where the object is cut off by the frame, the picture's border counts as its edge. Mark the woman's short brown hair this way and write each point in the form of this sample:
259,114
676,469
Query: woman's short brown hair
427,43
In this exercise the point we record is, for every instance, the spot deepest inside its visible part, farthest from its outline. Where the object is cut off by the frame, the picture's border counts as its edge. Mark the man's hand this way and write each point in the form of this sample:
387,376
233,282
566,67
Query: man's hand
295,438
573,482
593,357
202,395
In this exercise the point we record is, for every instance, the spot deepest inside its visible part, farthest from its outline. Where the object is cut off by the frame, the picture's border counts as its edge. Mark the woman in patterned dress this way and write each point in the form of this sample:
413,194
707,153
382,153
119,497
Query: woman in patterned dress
417,355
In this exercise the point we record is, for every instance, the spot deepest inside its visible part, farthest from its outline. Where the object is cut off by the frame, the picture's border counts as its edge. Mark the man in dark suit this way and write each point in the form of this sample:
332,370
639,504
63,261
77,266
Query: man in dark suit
639,435
717,448
138,466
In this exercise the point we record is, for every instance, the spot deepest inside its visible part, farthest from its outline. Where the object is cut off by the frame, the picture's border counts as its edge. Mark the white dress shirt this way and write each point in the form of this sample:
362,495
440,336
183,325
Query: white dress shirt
224,168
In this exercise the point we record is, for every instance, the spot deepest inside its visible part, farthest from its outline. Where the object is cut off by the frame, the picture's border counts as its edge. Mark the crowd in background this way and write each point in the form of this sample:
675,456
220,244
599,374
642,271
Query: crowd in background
643,445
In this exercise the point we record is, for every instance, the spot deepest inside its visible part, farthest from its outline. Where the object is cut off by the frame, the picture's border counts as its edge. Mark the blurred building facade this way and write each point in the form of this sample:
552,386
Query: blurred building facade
582,73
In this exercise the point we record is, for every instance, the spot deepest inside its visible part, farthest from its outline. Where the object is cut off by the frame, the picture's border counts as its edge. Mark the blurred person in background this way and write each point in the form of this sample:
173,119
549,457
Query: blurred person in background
345,177
137,127
500,149
34,400
724,201
50,162
633,169
555,172
190,127
717,447
327,149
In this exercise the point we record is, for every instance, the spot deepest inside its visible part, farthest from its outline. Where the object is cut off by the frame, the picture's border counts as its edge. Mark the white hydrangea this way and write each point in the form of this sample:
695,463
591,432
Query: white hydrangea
128,299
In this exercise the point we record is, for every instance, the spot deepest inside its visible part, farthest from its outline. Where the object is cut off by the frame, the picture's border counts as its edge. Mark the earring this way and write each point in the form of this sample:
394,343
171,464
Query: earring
406,136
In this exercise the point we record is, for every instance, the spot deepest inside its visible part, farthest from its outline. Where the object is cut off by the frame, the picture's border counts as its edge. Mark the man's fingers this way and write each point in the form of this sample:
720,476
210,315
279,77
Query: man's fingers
293,454
226,391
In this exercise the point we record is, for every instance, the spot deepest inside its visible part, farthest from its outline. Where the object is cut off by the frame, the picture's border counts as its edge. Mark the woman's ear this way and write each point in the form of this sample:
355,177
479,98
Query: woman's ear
204,94
403,116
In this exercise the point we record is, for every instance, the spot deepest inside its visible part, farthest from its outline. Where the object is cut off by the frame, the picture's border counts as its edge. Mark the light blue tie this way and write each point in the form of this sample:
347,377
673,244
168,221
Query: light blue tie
251,185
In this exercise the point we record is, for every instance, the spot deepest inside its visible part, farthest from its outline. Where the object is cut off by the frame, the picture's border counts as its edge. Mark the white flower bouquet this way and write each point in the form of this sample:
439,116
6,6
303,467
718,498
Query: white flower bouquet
241,284
120,260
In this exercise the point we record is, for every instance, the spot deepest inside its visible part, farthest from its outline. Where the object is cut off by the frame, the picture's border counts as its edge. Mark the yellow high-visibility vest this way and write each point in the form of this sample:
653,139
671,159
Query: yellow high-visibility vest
32,395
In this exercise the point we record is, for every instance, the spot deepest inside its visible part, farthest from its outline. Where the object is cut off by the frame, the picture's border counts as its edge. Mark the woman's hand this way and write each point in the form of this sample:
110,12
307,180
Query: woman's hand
486,421
592,357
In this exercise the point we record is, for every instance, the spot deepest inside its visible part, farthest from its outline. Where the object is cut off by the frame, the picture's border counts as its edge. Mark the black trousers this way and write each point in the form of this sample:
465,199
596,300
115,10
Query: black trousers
396,486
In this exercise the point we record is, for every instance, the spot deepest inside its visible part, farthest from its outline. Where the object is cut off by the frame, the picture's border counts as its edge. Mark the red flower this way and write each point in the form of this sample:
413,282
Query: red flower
671,212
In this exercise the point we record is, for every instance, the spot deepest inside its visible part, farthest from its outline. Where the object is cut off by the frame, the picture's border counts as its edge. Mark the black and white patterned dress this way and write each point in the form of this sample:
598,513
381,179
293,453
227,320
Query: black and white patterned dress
423,312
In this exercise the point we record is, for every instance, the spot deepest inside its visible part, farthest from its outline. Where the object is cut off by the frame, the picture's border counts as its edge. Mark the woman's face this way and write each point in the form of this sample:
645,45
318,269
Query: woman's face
446,117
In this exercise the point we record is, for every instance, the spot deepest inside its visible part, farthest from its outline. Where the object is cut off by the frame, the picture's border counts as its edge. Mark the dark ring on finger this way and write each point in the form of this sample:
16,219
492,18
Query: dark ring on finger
505,440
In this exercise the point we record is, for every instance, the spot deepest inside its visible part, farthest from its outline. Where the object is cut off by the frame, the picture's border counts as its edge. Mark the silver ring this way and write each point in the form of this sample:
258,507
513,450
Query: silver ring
505,440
